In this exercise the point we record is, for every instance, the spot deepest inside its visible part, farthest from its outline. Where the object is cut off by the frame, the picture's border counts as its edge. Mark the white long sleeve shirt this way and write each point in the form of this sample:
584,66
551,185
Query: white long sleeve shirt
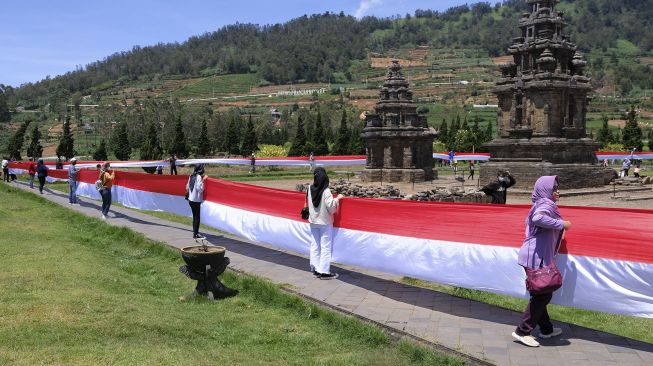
197,193
323,214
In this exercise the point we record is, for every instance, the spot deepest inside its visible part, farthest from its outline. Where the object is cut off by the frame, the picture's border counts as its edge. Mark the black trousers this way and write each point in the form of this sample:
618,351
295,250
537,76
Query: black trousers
41,183
5,173
173,169
195,208
536,314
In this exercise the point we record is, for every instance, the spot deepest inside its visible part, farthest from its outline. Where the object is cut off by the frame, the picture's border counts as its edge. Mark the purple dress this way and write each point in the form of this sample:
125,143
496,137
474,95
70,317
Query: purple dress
543,226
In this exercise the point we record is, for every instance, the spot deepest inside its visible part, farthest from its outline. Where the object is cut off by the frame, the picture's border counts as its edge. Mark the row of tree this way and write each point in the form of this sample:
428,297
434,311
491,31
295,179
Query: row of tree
460,136
631,137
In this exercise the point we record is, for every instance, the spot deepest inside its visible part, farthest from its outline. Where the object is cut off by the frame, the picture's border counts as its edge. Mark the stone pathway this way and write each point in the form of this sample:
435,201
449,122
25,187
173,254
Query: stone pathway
469,327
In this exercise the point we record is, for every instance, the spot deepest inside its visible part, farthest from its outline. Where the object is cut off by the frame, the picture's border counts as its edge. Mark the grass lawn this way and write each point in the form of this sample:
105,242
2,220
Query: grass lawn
76,291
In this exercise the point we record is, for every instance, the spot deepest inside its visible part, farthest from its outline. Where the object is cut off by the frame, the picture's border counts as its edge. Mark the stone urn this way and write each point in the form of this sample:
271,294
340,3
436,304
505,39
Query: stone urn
204,263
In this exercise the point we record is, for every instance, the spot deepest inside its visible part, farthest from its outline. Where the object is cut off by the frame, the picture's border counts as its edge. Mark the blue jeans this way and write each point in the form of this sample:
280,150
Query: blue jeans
31,181
106,200
72,195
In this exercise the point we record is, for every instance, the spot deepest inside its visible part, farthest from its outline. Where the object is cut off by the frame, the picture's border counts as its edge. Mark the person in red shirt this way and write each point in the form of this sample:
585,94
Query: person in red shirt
31,170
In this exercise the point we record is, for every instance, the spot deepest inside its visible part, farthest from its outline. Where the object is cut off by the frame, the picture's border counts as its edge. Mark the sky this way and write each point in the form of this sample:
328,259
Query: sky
40,38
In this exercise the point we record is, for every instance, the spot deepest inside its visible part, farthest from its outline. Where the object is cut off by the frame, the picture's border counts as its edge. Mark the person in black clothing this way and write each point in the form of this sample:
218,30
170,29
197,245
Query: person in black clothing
173,164
59,164
42,173
498,189
471,170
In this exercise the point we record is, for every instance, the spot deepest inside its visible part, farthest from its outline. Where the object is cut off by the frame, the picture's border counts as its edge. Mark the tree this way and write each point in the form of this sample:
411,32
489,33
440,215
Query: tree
650,140
35,149
232,141
179,146
120,142
5,115
318,140
341,146
632,133
101,153
605,136
443,136
489,134
298,147
151,150
16,142
356,142
250,143
66,147
204,144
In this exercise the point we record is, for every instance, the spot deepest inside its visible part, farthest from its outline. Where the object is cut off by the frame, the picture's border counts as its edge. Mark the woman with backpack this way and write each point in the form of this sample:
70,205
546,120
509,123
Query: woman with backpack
41,173
106,182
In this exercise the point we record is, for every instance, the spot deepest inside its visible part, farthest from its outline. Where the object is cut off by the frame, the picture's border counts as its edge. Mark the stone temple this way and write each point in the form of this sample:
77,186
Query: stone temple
398,139
543,97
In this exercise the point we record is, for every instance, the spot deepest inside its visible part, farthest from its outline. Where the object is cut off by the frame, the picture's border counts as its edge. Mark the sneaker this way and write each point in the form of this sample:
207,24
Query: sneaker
556,332
104,217
199,236
328,276
527,340
316,273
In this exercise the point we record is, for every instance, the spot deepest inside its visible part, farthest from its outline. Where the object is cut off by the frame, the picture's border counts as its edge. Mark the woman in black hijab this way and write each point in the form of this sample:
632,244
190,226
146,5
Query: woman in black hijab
321,209
195,196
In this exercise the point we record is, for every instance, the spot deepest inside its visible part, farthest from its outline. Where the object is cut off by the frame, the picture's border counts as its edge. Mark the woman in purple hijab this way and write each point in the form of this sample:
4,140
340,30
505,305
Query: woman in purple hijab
544,229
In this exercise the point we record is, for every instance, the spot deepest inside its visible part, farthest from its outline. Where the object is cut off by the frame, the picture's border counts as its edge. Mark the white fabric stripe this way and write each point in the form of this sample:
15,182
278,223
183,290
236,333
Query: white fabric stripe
613,286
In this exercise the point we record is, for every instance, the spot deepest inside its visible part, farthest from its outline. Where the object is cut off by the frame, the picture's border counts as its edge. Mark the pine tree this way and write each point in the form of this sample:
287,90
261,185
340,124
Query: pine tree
464,126
476,134
120,142
489,134
443,136
16,142
232,141
101,153
179,146
356,142
151,150
319,141
298,147
5,115
341,146
453,131
650,140
66,146
605,136
632,134
35,149
250,143
203,144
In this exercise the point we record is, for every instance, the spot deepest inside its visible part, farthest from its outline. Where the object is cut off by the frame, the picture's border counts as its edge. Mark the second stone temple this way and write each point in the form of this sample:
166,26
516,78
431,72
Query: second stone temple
398,139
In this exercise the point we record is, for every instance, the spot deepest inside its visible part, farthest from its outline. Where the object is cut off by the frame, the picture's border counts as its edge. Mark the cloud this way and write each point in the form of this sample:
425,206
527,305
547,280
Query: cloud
364,6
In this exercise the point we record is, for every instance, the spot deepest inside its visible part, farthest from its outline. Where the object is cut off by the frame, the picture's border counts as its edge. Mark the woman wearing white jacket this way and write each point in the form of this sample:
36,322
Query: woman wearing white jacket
321,207
195,197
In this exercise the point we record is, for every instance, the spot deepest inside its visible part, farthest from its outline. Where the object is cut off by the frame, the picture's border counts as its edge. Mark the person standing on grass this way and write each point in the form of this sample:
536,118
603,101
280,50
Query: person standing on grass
106,177
195,197
252,161
41,173
31,170
5,169
73,174
173,164
321,207
471,170
544,232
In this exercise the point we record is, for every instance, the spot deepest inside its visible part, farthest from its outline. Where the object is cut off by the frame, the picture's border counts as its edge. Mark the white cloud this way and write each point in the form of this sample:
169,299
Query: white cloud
364,6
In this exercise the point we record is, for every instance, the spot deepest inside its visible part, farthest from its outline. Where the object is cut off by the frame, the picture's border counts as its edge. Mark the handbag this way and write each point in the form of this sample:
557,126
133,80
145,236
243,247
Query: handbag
305,212
544,280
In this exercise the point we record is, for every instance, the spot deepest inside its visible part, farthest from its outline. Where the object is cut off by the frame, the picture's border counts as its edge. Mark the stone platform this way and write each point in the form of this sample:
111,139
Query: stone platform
527,172
398,175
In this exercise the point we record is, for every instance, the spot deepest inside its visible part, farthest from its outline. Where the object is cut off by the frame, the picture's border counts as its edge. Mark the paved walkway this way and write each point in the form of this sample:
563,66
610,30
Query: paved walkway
473,328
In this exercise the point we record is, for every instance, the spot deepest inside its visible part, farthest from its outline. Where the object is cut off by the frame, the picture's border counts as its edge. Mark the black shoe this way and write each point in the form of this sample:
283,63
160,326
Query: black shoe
316,273
328,276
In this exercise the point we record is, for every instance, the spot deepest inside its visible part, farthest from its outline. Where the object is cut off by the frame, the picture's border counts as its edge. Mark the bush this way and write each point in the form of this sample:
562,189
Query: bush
272,151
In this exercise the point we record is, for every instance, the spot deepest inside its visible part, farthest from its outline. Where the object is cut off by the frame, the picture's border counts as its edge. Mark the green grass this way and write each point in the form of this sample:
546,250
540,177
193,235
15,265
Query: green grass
217,86
631,327
76,291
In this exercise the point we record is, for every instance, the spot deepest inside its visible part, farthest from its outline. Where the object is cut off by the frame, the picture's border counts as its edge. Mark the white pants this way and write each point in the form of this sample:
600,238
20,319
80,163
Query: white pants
321,248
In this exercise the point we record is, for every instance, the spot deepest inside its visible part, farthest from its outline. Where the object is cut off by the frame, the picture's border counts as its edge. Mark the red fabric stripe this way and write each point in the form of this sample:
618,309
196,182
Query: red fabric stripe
622,234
